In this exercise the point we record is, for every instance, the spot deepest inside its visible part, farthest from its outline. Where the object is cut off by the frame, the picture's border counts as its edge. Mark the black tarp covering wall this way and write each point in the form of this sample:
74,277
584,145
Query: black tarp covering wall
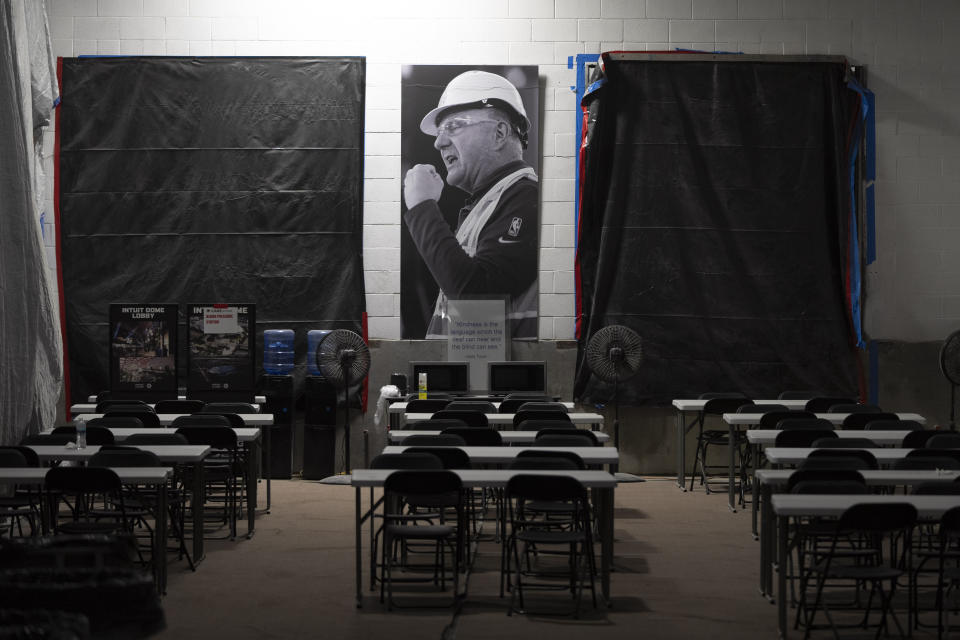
713,222
220,179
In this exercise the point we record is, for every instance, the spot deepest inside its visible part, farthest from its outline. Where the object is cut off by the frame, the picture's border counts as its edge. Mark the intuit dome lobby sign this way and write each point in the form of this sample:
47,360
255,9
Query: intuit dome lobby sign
471,192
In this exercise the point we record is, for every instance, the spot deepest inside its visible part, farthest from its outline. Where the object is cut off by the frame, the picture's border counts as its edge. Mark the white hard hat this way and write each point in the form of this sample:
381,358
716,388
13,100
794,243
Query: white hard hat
480,89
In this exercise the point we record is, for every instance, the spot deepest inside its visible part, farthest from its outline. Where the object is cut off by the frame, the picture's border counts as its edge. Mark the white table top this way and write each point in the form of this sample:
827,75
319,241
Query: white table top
873,477
835,418
696,404
257,399
86,407
166,453
490,477
128,475
401,407
250,419
507,418
789,504
796,455
508,437
767,437
246,434
590,455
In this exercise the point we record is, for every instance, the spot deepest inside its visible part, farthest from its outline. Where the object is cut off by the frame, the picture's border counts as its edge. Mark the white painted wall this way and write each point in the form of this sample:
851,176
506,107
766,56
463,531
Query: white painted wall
910,47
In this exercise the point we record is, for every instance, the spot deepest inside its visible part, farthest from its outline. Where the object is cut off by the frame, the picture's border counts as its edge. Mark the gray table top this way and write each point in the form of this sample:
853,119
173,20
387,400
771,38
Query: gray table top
186,453
128,475
166,419
590,455
696,404
873,477
835,418
489,477
401,407
91,407
767,437
507,418
508,437
796,455
788,504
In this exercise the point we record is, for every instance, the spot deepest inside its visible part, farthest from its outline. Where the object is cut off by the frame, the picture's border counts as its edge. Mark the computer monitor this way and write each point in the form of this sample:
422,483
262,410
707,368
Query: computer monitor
442,377
517,376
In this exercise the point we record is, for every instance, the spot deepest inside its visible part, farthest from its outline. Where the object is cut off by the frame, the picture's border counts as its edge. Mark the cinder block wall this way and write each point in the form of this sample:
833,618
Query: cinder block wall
909,47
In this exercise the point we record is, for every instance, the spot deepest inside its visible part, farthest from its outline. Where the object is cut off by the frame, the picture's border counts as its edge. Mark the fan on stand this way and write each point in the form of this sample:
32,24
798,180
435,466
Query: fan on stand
614,354
343,358
950,365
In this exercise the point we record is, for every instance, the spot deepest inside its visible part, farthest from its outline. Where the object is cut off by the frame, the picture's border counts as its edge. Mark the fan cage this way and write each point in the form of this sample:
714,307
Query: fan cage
600,348
950,358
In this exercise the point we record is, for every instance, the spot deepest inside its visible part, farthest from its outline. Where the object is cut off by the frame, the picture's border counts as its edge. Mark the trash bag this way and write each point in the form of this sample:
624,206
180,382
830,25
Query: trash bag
118,602
42,624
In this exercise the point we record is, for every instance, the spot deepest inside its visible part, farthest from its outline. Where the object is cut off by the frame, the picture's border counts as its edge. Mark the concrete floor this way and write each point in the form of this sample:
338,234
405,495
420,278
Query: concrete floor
685,568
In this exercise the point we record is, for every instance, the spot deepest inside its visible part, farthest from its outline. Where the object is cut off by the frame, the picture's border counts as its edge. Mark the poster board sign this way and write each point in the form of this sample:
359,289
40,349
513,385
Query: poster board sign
143,350
509,235
478,334
220,356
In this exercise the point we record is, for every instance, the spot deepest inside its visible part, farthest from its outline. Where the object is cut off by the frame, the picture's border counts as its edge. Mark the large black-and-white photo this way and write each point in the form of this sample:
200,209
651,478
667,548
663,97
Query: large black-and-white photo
470,193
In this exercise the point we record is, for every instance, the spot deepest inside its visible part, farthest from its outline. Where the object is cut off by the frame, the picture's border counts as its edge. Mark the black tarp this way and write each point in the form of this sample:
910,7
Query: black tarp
713,222
222,179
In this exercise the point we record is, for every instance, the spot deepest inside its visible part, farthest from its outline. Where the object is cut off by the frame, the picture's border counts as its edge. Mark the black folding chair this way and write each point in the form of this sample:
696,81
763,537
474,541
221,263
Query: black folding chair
892,425
433,425
148,417
523,416
96,434
918,439
860,419
427,405
471,405
589,438
179,406
801,437
531,531
476,437
717,404
123,422
846,442
221,469
439,487
469,417
434,440
770,419
875,564
822,404
543,406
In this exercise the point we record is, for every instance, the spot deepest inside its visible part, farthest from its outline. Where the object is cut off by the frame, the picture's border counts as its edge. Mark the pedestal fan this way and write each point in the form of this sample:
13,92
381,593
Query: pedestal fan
614,354
950,365
343,358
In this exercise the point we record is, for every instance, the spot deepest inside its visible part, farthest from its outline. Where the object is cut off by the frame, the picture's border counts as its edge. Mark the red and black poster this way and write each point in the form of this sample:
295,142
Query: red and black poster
143,350
220,361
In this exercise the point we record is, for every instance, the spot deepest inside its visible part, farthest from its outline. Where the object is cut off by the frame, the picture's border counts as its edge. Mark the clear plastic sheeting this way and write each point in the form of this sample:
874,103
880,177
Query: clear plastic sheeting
30,345
381,417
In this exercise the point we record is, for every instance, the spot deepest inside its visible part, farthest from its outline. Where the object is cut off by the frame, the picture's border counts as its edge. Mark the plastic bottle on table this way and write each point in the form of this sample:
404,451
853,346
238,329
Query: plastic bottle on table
422,387
81,426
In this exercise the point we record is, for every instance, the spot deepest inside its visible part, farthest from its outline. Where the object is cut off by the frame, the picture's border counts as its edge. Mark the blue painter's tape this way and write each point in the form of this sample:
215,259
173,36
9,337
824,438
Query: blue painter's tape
581,89
874,383
569,62
871,225
593,87
871,133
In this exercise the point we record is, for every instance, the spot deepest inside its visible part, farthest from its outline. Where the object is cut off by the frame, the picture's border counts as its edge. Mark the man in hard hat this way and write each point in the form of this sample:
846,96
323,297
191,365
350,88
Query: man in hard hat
481,131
